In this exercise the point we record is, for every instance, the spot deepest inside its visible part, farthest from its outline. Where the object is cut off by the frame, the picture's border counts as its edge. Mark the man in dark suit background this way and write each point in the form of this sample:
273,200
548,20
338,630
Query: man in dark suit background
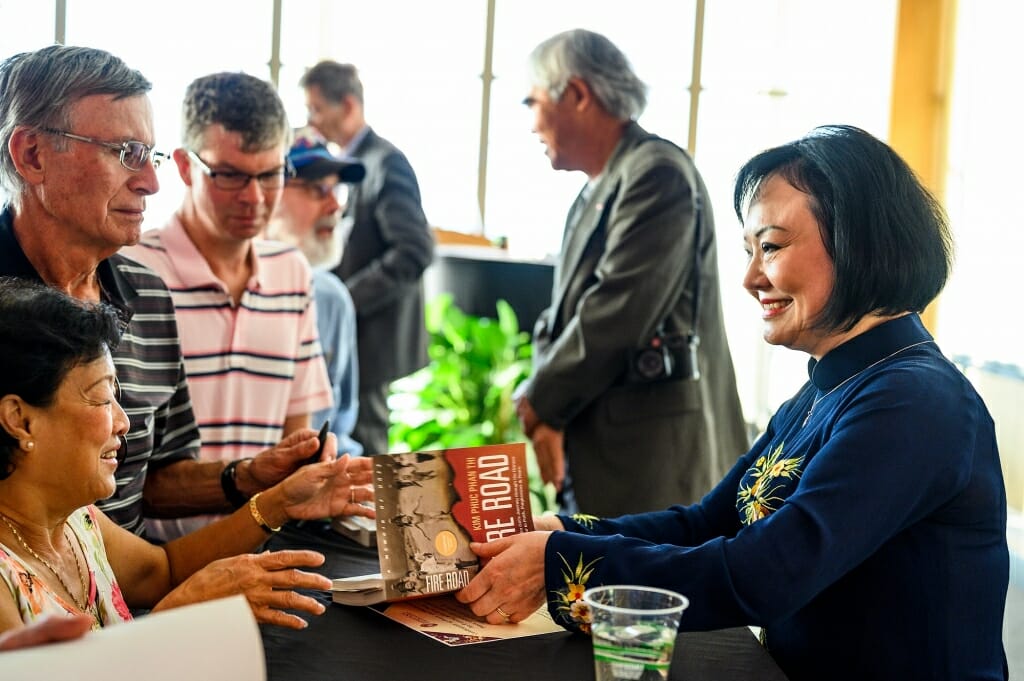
388,247
615,409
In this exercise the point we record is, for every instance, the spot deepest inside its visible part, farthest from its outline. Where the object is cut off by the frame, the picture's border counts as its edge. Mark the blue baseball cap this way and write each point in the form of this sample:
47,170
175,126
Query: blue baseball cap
312,159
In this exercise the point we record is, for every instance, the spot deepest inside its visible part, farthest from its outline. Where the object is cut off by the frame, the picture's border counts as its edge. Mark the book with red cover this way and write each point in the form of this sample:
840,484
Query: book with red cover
430,506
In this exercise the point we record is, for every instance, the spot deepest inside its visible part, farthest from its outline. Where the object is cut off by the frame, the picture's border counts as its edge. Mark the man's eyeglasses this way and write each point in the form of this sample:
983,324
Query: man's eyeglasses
317,190
134,154
233,181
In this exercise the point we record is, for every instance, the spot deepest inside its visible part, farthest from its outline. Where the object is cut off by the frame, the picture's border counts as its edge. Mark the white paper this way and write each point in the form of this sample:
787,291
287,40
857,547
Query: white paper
214,641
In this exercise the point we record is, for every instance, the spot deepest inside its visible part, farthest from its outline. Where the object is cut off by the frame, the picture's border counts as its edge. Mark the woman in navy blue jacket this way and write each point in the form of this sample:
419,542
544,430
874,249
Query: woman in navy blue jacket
865,531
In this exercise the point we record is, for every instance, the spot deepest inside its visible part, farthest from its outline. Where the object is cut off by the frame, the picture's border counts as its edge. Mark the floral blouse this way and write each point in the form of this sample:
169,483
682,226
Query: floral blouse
33,592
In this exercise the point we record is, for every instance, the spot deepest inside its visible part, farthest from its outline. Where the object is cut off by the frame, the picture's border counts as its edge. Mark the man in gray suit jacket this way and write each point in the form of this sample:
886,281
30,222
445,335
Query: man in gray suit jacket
632,405
386,251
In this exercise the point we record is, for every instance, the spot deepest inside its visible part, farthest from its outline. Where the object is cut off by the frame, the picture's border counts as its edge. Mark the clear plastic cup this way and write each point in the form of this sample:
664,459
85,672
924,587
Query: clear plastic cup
634,631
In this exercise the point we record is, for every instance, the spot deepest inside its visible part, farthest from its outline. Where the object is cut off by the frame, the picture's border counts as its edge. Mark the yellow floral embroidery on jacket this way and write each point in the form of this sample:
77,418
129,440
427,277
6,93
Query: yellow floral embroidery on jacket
585,520
758,494
570,600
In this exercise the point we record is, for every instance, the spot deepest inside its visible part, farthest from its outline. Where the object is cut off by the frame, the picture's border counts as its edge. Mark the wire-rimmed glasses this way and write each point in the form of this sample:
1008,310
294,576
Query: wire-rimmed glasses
233,180
134,154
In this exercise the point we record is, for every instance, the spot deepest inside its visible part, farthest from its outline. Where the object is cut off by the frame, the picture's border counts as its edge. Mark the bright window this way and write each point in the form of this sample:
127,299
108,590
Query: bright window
982,192
527,200
772,71
35,30
182,40
420,64
28,25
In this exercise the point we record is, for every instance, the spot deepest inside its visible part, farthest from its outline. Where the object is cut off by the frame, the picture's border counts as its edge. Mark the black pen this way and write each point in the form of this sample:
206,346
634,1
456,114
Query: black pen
322,437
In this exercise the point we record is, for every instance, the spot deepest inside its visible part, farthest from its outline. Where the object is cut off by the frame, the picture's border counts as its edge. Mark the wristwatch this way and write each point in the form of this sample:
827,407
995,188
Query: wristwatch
230,485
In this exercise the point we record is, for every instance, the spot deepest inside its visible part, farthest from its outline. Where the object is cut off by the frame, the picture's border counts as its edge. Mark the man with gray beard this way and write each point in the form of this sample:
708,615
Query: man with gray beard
309,218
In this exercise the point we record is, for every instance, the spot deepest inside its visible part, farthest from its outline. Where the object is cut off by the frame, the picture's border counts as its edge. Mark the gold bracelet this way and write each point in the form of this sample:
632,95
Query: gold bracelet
258,517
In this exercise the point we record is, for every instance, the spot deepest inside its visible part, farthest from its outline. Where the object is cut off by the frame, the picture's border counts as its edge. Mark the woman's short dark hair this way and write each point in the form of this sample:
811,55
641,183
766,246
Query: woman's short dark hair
888,237
44,334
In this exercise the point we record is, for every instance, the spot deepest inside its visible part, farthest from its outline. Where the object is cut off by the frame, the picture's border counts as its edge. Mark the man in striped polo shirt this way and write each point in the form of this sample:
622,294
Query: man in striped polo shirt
76,164
244,306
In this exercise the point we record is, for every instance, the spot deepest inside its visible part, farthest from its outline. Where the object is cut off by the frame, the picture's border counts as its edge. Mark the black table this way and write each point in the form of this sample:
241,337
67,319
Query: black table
357,643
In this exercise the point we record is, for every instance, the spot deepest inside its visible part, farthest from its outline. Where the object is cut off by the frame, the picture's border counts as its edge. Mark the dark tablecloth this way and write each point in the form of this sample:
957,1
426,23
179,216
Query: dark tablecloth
358,643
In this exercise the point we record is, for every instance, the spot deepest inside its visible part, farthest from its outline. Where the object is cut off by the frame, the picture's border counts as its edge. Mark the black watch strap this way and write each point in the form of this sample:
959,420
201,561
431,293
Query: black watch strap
230,486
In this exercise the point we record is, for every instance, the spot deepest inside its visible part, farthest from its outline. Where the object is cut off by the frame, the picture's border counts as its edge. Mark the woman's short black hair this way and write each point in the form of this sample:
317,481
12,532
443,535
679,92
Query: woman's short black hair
888,237
44,334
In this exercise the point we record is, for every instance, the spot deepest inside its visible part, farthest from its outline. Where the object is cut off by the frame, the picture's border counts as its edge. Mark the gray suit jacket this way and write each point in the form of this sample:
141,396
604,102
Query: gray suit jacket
387,250
625,267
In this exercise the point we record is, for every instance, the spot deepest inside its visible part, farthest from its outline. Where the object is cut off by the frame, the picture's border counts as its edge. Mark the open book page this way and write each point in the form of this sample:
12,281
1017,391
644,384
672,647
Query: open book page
214,641
362,590
452,623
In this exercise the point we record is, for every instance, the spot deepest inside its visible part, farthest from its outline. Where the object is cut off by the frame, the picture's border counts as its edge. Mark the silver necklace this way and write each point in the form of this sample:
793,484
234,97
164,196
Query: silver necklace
83,604
814,404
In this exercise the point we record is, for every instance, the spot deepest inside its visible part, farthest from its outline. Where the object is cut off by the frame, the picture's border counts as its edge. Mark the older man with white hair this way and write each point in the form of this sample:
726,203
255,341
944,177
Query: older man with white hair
632,354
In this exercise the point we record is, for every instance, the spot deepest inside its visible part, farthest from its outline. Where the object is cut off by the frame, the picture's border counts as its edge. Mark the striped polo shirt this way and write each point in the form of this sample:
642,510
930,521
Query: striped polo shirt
249,367
154,392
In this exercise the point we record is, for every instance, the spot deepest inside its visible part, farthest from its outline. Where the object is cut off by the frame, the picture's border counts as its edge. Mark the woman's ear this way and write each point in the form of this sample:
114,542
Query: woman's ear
15,419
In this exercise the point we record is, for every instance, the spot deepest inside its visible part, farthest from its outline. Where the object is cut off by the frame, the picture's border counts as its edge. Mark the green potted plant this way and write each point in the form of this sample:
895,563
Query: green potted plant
463,398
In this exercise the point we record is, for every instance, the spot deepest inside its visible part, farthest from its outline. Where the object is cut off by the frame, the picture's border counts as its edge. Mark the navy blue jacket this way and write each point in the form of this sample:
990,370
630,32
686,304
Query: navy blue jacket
869,540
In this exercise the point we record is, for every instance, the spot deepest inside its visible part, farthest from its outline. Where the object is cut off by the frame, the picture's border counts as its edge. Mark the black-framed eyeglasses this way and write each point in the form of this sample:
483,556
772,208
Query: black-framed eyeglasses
316,189
134,154
233,181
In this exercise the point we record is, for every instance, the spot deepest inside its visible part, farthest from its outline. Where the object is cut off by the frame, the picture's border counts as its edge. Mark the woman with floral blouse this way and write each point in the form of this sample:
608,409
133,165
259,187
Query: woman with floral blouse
61,431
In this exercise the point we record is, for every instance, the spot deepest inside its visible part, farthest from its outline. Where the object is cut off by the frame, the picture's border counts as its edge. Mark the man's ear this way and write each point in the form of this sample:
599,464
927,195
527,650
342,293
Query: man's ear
27,155
184,164
580,94
350,105
15,418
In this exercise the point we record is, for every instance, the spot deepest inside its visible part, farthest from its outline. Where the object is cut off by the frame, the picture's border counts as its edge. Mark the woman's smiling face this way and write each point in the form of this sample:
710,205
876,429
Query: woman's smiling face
789,271
79,433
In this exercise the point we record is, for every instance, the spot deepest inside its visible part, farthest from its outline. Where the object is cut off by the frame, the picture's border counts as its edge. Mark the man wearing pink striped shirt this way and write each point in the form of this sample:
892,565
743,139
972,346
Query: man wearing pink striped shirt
244,306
